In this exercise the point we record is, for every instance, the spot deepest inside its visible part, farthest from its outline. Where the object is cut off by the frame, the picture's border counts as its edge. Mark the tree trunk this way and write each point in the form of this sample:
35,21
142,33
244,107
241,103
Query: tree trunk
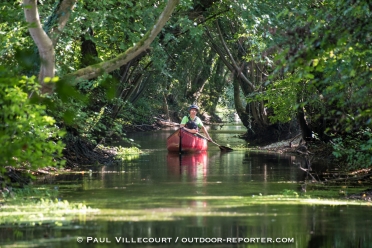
243,115
43,42
89,54
60,16
165,107
46,47
306,131
200,80
218,77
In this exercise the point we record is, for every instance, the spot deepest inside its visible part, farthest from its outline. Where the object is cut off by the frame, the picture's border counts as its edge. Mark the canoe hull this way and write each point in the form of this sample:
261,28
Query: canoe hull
185,142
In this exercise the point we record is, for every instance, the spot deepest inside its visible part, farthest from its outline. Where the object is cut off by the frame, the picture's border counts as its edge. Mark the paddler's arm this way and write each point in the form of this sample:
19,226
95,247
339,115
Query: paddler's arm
206,133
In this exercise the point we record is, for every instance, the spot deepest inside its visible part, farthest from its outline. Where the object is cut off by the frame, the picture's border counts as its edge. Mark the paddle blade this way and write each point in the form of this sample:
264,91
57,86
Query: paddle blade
225,149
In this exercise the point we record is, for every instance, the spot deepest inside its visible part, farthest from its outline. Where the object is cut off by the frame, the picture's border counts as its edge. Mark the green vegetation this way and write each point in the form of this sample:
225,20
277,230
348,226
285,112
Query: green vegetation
355,149
94,70
127,154
37,206
327,56
29,137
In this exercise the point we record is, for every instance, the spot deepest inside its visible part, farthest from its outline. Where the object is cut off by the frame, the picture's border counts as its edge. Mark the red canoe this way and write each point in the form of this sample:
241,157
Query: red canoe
183,141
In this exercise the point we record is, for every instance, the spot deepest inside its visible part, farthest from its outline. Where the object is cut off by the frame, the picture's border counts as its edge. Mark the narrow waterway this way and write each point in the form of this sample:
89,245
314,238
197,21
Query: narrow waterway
210,199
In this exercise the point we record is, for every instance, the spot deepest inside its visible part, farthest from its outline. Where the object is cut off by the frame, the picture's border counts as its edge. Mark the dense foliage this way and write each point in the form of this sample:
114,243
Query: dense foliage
28,136
326,58
276,64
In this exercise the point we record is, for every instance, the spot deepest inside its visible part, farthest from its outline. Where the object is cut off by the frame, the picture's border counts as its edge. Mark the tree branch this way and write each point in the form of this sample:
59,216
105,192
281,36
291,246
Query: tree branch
123,58
217,50
62,14
238,72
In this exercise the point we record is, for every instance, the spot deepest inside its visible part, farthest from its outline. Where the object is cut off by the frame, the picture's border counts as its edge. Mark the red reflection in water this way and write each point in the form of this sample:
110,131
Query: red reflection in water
194,164
193,167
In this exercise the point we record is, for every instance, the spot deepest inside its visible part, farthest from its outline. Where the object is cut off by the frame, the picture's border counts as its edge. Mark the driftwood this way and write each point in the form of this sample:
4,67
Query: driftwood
145,127
165,123
349,177
295,137
309,173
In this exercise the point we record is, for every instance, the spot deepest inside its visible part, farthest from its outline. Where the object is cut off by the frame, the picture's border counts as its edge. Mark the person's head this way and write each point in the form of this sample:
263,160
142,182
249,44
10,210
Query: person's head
193,108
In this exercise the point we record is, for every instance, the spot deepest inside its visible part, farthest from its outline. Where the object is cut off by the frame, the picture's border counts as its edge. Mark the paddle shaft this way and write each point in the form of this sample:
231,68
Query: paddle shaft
221,147
207,139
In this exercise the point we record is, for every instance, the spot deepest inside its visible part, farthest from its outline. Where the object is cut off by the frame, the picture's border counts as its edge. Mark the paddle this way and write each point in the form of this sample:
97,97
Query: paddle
222,148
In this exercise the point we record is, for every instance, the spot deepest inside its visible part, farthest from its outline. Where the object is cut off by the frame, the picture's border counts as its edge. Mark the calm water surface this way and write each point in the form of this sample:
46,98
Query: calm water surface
204,200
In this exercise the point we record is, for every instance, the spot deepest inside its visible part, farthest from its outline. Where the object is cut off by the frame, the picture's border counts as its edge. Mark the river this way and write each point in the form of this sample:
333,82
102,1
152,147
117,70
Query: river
236,199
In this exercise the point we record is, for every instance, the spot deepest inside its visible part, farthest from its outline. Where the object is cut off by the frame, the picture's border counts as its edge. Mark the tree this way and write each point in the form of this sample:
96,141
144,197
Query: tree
46,46
45,43
242,37
327,53
31,136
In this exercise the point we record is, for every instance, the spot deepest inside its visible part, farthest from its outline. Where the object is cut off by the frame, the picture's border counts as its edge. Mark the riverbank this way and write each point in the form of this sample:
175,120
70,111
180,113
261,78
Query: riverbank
336,175
81,155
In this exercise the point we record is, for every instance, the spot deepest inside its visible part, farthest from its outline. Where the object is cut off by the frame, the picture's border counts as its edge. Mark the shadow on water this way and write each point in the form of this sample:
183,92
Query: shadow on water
177,200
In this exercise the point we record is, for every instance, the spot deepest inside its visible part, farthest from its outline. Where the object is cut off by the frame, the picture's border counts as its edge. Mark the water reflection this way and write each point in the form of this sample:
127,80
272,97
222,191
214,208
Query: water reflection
193,165
195,195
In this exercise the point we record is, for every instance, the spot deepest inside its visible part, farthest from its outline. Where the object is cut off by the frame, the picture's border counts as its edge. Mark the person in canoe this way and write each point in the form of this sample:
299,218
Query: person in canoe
192,123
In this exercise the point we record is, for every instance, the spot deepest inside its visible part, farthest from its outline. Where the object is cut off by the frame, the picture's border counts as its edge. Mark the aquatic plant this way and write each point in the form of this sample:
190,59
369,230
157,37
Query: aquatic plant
33,206
127,153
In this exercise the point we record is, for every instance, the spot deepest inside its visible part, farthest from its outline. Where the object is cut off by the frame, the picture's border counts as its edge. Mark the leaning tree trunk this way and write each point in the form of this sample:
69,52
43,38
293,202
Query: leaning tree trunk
43,42
46,40
248,79
46,50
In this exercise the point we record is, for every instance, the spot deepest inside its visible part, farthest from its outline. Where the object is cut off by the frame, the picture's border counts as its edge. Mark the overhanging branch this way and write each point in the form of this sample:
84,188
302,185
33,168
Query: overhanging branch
237,71
96,70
